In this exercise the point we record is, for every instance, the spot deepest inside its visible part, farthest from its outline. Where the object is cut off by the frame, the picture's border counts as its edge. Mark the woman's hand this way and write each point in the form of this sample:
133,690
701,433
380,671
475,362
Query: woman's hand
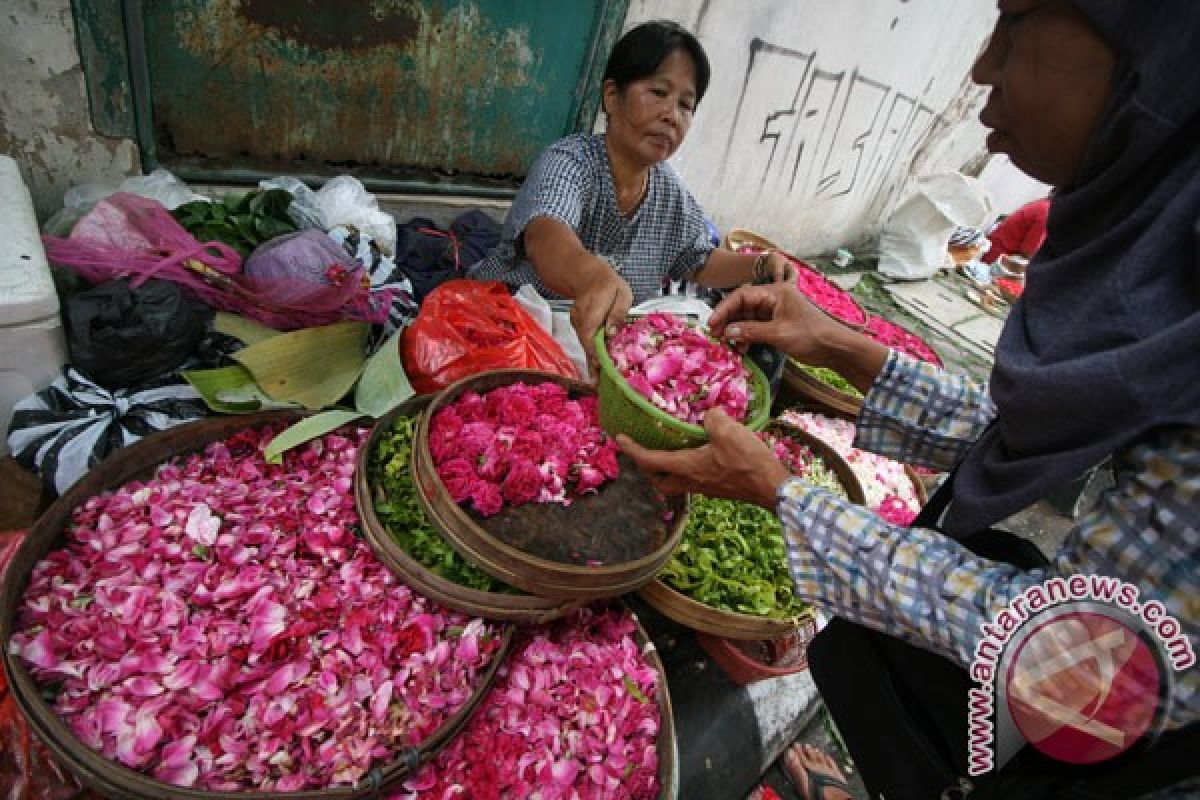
777,315
735,464
780,316
602,300
779,269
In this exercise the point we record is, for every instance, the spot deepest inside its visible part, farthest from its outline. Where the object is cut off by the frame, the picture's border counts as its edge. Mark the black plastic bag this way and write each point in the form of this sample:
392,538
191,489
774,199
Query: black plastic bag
427,255
121,337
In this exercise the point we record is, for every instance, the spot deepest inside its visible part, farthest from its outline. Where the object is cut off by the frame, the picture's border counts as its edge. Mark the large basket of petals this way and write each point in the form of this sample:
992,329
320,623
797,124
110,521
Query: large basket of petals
514,469
658,377
406,536
192,621
729,577
581,709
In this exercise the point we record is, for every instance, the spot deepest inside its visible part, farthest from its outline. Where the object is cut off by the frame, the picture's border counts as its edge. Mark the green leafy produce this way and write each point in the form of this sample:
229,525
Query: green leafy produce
242,222
733,558
832,379
398,509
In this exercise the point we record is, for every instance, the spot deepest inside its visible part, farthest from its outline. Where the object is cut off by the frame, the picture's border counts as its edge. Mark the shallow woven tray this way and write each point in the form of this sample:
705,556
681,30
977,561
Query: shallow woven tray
110,778
521,608
602,545
677,606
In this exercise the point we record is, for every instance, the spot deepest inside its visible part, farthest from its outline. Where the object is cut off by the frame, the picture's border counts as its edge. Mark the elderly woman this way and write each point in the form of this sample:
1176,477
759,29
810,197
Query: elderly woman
603,220
1099,359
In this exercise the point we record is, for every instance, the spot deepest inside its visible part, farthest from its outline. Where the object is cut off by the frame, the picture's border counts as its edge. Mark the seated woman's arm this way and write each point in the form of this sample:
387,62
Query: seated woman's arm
925,588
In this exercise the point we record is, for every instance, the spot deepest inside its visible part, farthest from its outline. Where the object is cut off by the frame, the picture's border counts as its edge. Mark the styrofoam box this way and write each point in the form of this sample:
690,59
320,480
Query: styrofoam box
32,345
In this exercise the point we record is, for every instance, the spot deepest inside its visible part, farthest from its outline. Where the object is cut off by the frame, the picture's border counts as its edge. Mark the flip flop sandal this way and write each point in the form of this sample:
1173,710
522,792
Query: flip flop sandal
817,783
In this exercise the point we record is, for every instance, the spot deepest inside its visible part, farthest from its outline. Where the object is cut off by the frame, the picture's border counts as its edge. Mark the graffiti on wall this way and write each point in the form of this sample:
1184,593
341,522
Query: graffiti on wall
807,132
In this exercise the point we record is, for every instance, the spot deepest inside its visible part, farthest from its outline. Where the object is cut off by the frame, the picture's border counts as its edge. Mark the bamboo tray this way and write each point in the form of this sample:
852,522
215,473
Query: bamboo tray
110,778
520,608
546,549
918,485
739,238
666,744
698,616
799,386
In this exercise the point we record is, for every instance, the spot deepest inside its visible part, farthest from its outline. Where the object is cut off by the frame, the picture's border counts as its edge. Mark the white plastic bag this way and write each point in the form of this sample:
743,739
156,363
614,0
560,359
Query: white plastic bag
160,185
345,201
555,323
913,244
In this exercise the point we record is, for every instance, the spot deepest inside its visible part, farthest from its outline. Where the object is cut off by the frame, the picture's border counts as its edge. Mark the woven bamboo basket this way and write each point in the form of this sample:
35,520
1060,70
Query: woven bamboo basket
520,608
666,745
800,387
918,485
739,238
109,778
698,616
603,545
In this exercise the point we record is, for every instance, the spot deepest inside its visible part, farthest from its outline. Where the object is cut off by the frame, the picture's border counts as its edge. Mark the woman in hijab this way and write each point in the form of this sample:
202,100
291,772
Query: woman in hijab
1100,358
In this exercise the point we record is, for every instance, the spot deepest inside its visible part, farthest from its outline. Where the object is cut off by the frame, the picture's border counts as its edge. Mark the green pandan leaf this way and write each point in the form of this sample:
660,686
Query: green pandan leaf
306,430
315,367
384,384
231,390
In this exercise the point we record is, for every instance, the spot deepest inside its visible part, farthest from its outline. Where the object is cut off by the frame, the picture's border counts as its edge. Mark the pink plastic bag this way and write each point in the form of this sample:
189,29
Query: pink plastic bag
126,235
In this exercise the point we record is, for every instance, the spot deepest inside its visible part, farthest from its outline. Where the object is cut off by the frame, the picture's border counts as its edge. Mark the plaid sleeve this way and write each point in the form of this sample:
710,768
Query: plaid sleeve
917,413
925,588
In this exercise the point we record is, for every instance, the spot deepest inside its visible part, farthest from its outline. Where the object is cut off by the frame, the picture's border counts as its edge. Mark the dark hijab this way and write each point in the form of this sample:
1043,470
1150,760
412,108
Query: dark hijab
1104,347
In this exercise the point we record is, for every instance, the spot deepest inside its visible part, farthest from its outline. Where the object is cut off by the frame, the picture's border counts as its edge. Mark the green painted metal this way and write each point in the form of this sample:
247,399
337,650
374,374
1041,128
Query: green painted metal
100,37
409,95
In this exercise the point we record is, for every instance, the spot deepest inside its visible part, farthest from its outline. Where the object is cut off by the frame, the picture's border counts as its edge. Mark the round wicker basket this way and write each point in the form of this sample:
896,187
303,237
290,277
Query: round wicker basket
700,617
603,545
520,608
798,386
110,778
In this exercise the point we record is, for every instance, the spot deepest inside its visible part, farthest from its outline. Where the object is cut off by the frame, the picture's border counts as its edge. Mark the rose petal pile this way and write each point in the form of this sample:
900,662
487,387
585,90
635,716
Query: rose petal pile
680,370
894,336
573,714
824,293
221,626
522,443
802,462
888,487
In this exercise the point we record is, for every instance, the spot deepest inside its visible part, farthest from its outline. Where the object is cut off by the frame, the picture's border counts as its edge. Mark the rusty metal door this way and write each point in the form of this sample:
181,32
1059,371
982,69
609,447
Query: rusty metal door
453,96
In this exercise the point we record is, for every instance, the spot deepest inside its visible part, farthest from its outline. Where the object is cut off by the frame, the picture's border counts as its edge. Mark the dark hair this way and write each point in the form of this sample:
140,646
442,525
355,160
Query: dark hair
641,51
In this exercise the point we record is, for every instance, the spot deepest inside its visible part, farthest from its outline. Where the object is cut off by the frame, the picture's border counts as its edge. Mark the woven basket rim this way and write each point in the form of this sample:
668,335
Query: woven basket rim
756,240
522,608
756,420
548,584
111,777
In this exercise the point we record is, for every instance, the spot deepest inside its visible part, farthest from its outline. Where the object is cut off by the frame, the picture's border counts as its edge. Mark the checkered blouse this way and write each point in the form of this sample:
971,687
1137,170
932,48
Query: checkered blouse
925,588
571,181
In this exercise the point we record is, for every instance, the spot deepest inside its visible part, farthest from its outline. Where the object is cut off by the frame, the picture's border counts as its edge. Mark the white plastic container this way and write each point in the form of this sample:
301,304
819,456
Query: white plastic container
33,347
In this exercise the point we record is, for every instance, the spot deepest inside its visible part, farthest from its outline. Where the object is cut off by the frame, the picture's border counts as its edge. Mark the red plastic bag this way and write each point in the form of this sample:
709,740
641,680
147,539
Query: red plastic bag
127,235
27,770
465,327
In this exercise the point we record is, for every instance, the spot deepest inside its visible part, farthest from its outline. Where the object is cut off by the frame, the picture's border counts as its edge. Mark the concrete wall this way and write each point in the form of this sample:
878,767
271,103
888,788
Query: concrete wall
44,120
818,115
